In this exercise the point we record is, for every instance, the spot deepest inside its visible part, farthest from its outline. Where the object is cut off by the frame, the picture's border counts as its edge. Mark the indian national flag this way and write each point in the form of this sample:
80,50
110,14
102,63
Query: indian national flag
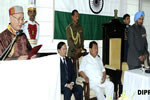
91,22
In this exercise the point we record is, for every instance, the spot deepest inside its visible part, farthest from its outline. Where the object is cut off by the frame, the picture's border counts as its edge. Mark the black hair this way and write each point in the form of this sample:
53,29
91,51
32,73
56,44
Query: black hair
73,12
92,43
60,44
126,15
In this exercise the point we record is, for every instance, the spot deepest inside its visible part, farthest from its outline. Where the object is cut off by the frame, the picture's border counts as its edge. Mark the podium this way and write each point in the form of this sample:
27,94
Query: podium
113,29
36,79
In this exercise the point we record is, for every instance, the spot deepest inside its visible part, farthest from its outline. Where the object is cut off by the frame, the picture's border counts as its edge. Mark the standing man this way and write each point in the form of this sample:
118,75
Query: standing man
126,20
137,42
93,71
22,46
31,27
75,38
68,78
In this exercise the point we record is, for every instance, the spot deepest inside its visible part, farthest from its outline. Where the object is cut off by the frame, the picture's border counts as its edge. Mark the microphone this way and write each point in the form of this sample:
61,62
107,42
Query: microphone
148,62
19,33
8,49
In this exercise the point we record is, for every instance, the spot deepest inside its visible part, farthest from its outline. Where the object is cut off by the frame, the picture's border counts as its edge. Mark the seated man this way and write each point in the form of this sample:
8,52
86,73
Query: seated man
68,79
21,46
93,71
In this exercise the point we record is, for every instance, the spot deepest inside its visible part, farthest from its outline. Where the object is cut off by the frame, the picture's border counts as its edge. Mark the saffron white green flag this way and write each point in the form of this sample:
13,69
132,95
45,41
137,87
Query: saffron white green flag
91,22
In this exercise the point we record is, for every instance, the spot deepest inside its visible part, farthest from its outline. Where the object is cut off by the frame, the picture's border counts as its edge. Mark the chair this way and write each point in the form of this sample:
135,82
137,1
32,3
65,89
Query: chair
88,93
124,68
114,54
114,68
72,97
86,89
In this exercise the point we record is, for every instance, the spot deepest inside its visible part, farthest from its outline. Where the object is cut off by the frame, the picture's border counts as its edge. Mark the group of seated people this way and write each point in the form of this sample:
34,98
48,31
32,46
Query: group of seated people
91,69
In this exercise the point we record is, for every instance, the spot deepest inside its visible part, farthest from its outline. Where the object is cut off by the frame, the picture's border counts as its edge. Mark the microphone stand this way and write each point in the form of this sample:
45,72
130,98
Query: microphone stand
8,49
148,62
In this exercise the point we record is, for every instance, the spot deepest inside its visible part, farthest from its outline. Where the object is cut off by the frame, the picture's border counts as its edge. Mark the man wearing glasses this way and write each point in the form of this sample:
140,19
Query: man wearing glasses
21,46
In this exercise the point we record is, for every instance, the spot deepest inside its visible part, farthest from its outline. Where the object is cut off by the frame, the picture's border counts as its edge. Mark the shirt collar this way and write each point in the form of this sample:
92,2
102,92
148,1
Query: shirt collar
61,57
92,56
11,29
74,25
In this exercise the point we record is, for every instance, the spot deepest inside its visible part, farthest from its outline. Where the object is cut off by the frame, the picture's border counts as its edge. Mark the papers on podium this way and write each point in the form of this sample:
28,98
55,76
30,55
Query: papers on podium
34,51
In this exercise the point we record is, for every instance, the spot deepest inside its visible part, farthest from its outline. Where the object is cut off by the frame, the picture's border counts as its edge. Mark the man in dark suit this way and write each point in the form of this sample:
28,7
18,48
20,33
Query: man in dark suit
68,77
137,41
126,21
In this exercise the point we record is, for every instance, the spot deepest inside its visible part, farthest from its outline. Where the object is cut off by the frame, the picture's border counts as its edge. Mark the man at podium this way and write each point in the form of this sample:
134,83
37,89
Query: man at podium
21,45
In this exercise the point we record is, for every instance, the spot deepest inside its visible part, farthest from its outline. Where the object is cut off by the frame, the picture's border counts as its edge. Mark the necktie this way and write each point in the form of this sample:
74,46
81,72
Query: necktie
64,60
66,68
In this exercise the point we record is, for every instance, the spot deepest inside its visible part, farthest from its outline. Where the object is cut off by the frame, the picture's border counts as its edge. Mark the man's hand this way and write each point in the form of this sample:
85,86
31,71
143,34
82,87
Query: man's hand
24,57
103,78
70,86
86,79
34,56
142,58
84,76
78,51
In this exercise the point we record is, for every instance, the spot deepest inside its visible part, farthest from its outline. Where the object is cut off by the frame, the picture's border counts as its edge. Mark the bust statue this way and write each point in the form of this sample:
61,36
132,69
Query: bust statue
115,14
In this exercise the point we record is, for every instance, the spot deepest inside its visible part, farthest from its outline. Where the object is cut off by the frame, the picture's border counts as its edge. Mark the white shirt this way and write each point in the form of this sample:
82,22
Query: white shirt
61,57
93,68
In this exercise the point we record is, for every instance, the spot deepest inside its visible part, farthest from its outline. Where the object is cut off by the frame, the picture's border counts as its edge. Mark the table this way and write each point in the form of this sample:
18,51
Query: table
135,80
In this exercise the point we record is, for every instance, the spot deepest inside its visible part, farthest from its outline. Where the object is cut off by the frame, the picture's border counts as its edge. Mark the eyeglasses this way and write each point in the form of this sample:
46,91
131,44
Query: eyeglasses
18,19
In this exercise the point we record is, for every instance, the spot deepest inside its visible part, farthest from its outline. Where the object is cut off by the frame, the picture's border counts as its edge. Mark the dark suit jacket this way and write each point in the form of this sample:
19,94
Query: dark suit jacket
22,45
71,73
137,44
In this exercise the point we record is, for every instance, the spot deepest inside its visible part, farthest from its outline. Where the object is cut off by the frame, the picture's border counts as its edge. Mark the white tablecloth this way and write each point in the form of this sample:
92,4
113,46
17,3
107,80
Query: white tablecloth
36,79
135,80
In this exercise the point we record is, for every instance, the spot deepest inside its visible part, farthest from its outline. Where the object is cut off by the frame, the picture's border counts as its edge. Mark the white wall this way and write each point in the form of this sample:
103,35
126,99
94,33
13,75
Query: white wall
132,8
45,17
146,8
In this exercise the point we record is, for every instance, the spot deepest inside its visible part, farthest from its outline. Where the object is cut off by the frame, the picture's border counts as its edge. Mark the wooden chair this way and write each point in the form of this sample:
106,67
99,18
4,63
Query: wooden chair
86,89
114,68
88,93
72,97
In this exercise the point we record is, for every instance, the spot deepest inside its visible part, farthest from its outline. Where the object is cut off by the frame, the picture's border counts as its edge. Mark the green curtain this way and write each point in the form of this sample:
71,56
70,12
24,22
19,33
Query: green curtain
92,25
